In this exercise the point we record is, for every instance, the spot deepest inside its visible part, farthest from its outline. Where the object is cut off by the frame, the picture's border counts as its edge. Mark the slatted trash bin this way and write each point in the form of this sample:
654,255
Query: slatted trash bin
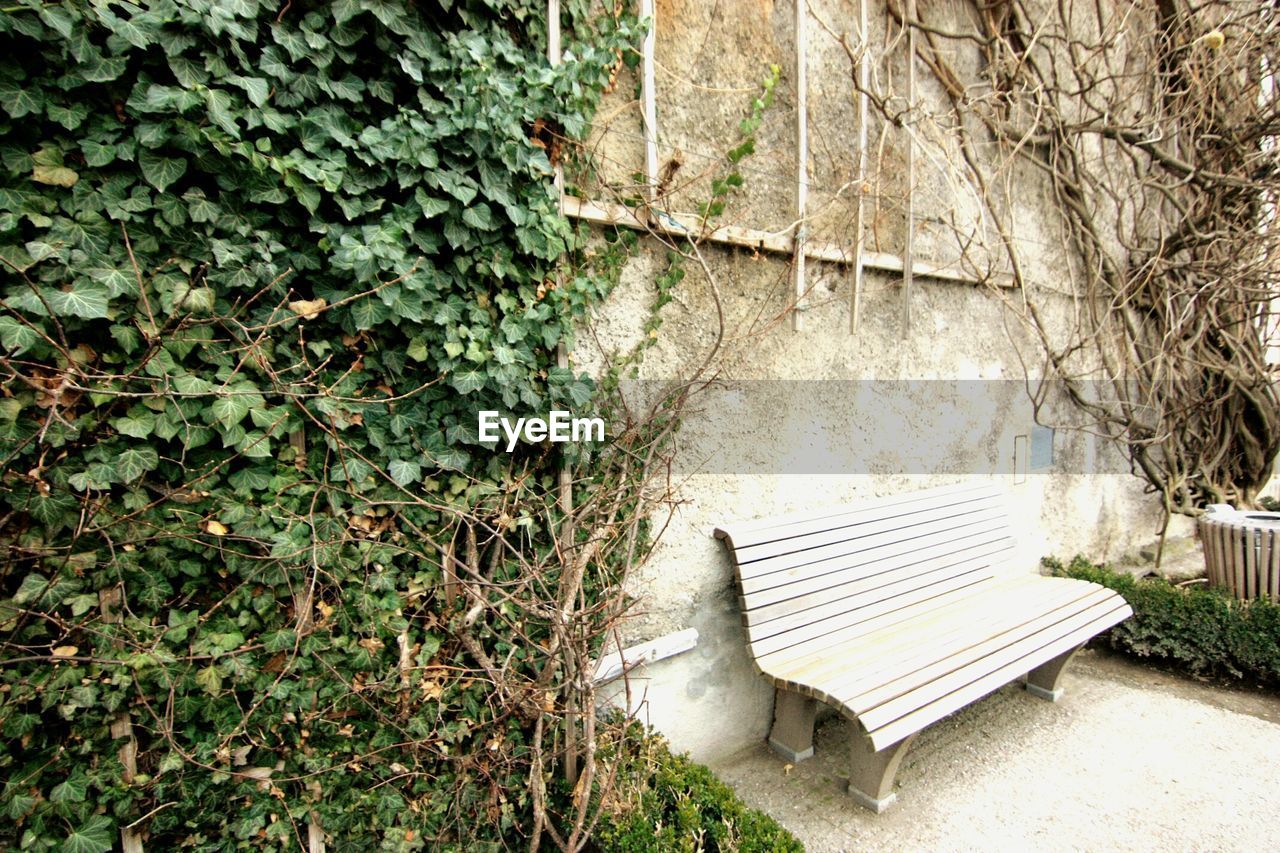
1242,551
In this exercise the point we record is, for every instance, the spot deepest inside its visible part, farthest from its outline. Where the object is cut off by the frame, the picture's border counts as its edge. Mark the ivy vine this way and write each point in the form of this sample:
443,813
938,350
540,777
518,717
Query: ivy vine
262,263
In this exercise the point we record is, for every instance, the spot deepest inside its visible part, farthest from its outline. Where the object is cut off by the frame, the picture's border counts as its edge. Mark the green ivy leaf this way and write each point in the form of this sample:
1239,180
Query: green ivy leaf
53,507
102,69
117,282
125,28
456,234
255,445
81,604
191,385
448,313
210,680
127,337
581,393
256,88
18,100
230,409
16,336
96,835
221,111
58,18
479,216
159,171
20,805
136,461
468,380
187,72
138,424
369,312
83,299
73,790
418,350
200,300
32,588
200,208
279,641
452,458
431,207
70,117
404,472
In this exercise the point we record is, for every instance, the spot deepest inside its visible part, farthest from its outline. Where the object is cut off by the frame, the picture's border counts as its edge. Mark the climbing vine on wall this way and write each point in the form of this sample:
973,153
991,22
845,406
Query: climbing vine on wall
1154,127
262,263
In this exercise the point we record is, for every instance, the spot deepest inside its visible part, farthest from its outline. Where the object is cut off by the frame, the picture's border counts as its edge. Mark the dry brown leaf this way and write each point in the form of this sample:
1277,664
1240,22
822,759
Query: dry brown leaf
308,309
65,651
58,176
215,528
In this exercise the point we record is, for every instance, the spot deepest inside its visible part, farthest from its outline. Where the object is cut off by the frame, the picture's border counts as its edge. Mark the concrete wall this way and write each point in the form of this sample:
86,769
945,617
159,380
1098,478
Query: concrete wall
821,415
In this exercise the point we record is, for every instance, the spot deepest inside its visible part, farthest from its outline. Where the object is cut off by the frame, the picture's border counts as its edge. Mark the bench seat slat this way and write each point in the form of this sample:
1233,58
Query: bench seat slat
896,555
804,612
878,715
862,697
927,608
891,652
747,534
941,707
864,577
868,539
935,593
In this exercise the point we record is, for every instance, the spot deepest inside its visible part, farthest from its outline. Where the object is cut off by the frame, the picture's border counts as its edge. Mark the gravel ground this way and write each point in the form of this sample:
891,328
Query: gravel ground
1129,759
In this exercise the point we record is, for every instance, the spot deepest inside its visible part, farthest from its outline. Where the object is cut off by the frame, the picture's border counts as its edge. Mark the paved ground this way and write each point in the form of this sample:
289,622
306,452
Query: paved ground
1129,759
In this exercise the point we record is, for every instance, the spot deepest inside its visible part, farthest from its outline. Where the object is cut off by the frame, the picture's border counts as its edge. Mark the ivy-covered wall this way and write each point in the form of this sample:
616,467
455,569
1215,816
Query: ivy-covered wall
261,264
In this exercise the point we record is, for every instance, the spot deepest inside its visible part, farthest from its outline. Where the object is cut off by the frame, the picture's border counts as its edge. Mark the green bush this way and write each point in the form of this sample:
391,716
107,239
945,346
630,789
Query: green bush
1197,628
675,804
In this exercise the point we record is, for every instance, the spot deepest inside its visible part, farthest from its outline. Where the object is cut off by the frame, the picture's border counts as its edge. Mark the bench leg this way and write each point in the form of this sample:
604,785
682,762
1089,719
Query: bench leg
1044,680
792,732
871,773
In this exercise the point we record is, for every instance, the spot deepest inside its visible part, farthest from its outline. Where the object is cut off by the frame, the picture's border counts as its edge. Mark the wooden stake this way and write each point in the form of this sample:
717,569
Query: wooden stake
649,100
564,480
802,158
110,601
859,219
908,251
315,835
562,355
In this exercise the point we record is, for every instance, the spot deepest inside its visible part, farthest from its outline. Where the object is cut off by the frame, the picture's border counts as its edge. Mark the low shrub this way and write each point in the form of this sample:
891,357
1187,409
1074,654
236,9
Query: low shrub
1196,628
666,802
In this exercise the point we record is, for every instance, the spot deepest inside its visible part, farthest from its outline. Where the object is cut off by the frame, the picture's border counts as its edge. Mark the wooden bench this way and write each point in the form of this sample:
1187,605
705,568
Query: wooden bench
898,612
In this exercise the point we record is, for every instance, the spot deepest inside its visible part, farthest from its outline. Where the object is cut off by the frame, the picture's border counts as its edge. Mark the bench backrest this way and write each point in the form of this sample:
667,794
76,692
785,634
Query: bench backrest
801,577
